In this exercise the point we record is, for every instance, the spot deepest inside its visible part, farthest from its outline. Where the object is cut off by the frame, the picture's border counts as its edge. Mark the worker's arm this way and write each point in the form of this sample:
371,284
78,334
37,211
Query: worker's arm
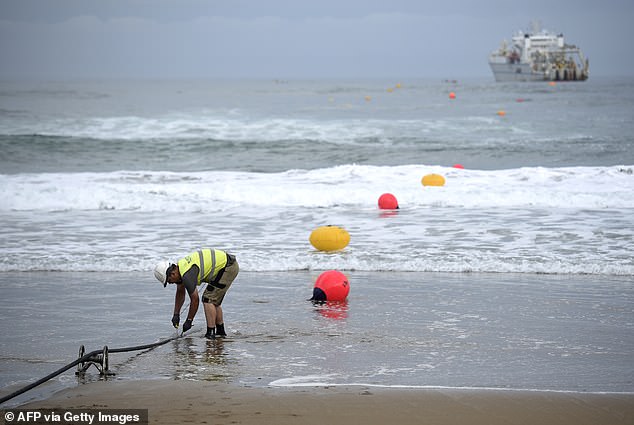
179,299
190,279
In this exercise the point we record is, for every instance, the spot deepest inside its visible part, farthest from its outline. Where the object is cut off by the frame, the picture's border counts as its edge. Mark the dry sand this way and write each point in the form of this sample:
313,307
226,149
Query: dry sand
181,402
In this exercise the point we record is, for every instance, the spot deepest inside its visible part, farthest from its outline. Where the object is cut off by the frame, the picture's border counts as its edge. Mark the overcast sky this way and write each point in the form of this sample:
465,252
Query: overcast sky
295,38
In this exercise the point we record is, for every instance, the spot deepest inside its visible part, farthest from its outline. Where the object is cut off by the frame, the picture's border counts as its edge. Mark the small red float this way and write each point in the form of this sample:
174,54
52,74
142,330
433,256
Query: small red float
387,201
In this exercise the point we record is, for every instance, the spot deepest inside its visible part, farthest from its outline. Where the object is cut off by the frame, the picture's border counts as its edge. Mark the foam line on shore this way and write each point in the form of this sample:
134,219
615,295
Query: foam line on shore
299,382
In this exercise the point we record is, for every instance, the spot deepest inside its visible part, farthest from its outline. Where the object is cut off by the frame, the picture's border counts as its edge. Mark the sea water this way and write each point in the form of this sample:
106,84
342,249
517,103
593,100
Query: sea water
108,177
397,329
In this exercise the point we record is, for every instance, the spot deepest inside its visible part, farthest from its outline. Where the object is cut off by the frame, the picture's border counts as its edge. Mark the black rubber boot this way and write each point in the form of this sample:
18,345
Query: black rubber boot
220,330
211,333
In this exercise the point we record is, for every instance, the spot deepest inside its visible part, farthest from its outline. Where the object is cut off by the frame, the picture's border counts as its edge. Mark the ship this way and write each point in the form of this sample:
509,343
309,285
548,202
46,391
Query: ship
538,55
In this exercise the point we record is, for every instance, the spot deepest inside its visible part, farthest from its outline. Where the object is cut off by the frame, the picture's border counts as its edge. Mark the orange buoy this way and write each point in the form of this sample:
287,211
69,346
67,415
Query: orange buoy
452,95
331,285
329,238
387,201
458,166
501,113
433,180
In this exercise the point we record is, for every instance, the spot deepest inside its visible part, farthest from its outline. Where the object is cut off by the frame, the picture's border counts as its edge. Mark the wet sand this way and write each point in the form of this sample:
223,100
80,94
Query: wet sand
171,402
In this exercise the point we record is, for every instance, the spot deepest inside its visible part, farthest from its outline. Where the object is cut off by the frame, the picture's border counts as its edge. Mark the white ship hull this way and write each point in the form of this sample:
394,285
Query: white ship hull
505,72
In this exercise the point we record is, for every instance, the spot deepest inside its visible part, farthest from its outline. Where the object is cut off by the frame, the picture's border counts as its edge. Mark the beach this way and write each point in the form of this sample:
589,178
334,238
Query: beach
427,331
504,296
170,402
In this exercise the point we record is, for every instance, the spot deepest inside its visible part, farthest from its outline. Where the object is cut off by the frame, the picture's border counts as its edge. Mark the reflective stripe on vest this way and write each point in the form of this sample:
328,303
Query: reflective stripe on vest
202,264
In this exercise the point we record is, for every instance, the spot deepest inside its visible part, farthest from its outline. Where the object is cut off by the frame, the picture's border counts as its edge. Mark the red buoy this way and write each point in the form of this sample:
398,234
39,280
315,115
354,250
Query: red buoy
387,201
331,285
458,166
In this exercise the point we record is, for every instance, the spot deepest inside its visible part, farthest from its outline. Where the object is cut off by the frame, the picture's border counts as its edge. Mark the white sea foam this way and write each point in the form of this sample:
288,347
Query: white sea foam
350,186
530,220
326,381
477,130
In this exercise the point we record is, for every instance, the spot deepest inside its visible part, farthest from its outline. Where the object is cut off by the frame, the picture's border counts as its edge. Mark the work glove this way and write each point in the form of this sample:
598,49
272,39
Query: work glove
187,325
176,320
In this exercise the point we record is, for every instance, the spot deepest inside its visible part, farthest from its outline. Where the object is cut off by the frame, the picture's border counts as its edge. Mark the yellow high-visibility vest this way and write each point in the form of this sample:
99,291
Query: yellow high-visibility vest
209,262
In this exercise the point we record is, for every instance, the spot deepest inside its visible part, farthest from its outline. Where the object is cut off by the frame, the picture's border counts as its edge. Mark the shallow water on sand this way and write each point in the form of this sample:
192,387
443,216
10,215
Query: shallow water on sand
519,331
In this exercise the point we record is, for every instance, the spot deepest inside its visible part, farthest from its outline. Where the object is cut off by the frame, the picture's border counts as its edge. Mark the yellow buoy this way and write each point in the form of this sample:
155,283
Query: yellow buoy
329,238
433,180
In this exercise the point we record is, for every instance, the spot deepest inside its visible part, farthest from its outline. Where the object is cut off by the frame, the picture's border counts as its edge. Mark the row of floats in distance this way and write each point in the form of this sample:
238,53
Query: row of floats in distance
452,96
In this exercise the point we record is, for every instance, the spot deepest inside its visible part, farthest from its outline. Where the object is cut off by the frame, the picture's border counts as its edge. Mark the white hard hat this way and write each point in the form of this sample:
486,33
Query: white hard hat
160,271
